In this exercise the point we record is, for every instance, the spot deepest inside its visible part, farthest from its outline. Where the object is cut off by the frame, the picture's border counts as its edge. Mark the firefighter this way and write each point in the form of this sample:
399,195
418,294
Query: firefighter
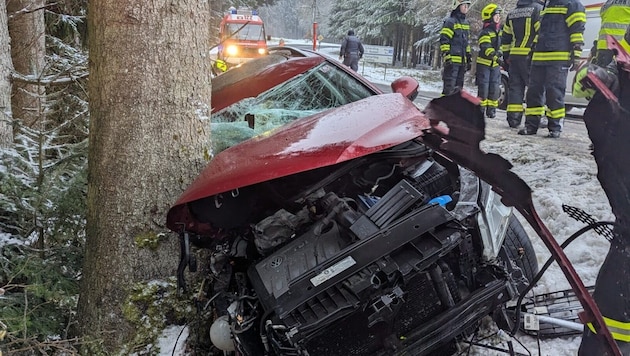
488,61
615,16
455,48
521,26
608,127
557,48
351,51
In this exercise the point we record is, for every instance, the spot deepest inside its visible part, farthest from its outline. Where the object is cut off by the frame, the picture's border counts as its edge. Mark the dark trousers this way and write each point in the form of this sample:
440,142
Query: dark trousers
547,84
519,77
488,88
608,128
453,78
351,60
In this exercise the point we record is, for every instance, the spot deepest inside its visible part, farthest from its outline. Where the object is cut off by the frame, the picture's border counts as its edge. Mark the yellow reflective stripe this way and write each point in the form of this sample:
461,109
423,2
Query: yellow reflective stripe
554,10
577,53
619,330
505,48
528,23
523,51
515,108
489,52
576,17
536,111
456,59
556,114
507,28
445,47
492,103
461,26
625,45
537,26
487,62
550,56
576,38
484,39
468,49
483,102
447,32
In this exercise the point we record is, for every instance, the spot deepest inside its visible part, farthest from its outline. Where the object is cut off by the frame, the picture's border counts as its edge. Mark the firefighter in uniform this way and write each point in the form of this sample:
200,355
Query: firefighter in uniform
557,47
615,16
608,127
488,61
455,48
521,26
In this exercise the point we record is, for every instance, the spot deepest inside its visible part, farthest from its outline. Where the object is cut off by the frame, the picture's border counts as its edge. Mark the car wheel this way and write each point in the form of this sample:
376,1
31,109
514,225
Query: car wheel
519,248
503,96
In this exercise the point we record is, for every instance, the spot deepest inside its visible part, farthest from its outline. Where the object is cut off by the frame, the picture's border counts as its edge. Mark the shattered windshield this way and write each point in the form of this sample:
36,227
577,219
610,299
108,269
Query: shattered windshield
316,90
250,31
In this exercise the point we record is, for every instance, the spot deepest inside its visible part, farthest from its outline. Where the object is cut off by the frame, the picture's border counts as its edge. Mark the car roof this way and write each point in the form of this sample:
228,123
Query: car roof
261,74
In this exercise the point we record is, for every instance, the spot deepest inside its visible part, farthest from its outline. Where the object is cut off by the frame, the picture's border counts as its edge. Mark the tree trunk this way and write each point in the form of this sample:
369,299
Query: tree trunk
6,68
150,106
28,50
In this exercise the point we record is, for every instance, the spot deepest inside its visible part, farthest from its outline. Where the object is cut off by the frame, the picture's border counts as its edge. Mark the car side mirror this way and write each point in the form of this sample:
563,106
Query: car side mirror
406,86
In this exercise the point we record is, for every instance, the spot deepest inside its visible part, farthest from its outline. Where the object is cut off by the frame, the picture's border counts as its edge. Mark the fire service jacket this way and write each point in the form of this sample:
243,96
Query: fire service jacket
454,38
520,29
560,38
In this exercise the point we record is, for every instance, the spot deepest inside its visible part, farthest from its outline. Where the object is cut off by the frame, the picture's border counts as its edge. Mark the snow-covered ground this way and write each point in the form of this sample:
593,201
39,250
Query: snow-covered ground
559,171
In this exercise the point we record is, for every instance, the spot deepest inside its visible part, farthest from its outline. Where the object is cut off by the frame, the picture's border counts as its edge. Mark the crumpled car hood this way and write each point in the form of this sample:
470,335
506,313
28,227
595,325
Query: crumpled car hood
330,137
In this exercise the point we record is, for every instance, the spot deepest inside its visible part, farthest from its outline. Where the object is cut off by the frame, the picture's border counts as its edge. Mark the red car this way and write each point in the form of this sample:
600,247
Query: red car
338,220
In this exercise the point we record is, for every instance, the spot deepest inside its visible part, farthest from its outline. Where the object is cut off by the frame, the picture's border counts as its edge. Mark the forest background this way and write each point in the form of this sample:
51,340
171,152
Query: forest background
86,264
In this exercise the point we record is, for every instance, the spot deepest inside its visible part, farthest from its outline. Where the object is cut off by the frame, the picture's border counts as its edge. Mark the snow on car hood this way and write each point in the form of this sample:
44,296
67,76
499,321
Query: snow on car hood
337,135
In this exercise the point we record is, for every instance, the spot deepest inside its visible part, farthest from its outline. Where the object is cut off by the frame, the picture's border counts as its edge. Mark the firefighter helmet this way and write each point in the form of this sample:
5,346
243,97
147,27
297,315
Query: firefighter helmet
456,3
489,11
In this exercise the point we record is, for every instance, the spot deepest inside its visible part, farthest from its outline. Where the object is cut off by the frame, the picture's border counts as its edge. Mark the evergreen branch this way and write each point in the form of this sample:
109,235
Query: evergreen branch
49,80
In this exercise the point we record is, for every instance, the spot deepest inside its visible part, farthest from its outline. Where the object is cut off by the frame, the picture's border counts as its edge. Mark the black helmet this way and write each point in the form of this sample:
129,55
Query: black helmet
351,33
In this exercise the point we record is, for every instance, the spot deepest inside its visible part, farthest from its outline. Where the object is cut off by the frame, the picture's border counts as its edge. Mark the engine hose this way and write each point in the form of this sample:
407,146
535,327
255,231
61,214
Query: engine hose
538,276
263,330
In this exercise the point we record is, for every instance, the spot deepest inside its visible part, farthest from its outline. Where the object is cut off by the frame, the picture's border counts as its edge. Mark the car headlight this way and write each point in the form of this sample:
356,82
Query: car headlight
232,50
261,51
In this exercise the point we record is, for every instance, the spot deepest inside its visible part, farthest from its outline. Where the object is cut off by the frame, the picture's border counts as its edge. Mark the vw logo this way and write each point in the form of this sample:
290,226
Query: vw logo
276,262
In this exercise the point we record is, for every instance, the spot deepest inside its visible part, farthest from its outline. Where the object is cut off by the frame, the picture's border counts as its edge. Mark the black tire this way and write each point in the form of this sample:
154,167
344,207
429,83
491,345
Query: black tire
503,96
519,248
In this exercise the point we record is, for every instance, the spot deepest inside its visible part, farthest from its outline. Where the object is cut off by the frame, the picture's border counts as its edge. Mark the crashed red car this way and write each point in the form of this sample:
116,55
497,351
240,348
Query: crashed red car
352,230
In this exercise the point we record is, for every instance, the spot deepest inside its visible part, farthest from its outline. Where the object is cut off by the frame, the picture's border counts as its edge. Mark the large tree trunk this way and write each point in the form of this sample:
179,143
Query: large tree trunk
28,50
6,69
150,105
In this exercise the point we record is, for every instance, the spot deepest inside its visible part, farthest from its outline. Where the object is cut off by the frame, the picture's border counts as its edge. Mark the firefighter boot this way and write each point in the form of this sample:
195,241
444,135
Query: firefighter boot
491,112
514,119
531,125
555,127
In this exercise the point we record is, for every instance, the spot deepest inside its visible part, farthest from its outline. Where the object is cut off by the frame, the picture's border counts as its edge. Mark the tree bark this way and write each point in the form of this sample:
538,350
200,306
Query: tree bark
28,51
150,106
6,68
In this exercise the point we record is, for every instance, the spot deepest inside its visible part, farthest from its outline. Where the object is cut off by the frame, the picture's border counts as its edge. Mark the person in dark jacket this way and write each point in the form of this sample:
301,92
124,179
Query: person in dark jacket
455,48
351,51
557,47
521,26
608,124
489,60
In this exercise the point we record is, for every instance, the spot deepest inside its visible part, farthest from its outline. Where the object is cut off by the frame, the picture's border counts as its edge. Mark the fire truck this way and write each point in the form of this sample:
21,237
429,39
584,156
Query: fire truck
242,35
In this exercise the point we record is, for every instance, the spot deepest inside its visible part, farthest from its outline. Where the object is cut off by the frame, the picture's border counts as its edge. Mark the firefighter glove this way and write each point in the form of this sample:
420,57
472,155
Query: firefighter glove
574,64
500,61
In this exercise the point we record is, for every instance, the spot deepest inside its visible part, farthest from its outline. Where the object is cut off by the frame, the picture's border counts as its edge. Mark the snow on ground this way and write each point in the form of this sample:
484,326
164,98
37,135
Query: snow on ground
559,171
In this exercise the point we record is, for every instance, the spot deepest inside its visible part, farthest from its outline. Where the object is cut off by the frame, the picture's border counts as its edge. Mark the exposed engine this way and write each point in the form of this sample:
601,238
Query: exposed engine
368,257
